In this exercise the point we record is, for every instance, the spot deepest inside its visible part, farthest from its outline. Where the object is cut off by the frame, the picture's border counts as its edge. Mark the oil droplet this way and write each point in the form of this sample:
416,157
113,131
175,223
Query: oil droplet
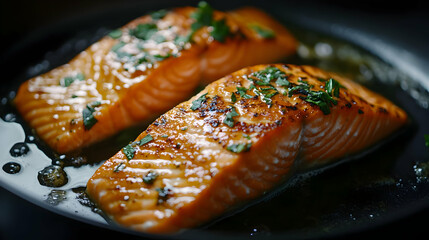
52,176
12,167
19,149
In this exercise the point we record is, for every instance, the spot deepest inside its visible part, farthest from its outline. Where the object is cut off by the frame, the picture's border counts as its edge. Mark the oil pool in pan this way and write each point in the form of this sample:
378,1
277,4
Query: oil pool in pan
333,199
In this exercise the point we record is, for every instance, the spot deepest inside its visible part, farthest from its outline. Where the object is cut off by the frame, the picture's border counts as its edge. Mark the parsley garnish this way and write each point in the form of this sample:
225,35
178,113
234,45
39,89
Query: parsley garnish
204,17
242,91
264,77
240,147
220,30
197,103
67,81
229,120
323,99
144,31
163,194
332,87
145,140
129,151
150,177
88,118
115,34
119,167
158,14
263,32
233,98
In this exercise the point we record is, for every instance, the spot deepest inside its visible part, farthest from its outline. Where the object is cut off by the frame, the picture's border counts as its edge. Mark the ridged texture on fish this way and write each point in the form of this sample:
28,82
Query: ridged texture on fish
206,165
128,88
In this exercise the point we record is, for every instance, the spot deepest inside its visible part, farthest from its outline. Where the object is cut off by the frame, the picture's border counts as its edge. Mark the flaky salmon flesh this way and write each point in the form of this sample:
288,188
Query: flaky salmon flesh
145,68
236,140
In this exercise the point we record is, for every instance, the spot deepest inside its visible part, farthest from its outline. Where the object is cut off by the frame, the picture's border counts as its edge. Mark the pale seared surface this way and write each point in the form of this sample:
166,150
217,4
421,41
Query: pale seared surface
199,177
132,91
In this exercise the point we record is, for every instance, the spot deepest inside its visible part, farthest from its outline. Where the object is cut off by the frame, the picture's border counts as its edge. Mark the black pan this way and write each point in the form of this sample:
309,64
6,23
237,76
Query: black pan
379,194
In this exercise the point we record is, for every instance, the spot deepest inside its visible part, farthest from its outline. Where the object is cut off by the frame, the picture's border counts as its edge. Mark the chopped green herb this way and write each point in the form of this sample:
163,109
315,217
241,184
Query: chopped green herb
233,98
246,136
240,147
426,140
264,77
184,128
129,151
197,103
263,32
115,34
220,30
144,31
150,177
158,14
203,16
74,96
242,91
94,104
67,81
323,99
88,118
332,87
164,136
119,167
161,57
145,140
117,46
229,120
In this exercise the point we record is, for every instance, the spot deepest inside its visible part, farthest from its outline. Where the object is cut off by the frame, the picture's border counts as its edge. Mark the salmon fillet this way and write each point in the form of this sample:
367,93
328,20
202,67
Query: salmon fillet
237,139
145,68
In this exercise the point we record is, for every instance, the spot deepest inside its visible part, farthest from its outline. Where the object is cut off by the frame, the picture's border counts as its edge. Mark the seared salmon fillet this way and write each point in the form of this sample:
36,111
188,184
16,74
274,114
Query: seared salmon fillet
237,139
145,68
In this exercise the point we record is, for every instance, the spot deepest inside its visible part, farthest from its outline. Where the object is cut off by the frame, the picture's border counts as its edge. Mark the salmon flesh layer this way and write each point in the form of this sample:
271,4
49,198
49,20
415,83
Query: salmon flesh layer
237,139
145,68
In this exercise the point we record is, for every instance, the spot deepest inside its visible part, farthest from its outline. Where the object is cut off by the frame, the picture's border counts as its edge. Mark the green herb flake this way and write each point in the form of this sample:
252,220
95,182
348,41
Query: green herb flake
240,147
74,96
67,81
164,136
263,32
144,31
264,77
203,16
184,128
117,46
129,151
233,98
196,104
160,14
145,140
88,118
119,167
426,140
115,34
220,30
163,194
332,87
229,120
159,57
242,91
150,177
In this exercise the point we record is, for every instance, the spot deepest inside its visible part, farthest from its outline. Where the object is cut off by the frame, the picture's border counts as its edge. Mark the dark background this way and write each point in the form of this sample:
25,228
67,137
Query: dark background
405,23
